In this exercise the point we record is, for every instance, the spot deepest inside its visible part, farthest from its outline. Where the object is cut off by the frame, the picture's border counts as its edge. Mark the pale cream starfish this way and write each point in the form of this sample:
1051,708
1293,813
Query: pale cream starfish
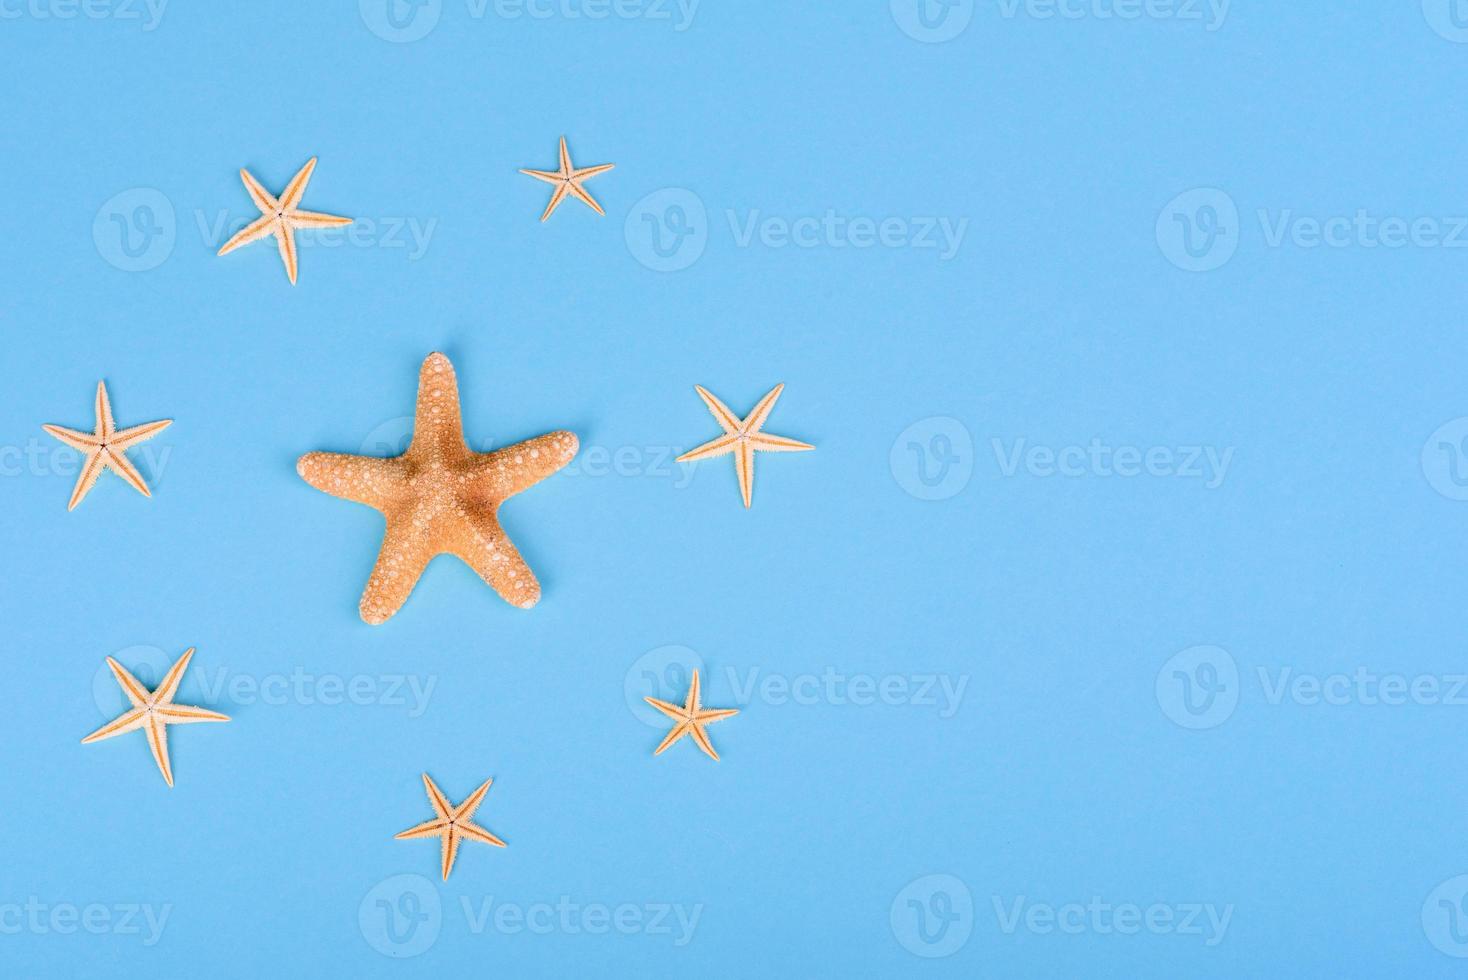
568,180
281,217
104,448
441,498
691,720
154,712
743,438
452,823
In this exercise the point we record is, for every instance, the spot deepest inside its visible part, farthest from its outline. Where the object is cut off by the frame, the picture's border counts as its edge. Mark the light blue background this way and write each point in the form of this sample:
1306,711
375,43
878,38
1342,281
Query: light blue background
1057,600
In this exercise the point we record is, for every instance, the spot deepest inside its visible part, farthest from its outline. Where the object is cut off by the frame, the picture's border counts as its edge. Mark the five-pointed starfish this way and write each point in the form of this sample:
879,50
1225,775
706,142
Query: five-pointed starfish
154,712
691,720
104,447
743,437
281,217
568,180
452,824
441,498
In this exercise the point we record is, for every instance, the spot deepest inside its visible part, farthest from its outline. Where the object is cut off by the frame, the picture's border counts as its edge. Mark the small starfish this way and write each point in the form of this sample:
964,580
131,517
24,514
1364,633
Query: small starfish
104,447
441,498
691,720
154,712
281,217
568,180
452,823
743,437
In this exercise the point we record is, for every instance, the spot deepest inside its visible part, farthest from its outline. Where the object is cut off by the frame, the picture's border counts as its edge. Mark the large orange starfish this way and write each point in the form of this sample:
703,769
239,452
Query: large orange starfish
281,217
451,824
104,448
441,498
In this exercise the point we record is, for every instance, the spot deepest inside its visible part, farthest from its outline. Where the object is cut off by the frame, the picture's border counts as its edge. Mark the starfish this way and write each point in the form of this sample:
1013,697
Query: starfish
691,720
104,447
441,498
154,712
743,438
452,823
568,180
281,217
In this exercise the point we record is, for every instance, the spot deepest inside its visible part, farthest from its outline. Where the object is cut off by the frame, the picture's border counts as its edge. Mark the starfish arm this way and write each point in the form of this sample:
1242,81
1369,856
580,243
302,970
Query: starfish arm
316,219
157,730
296,189
565,159
762,411
586,172
428,828
285,240
129,721
187,714
701,738
727,420
168,687
439,802
711,715
466,809
506,472
136,693
744,466
483,545
679,730
475,832
263,199
87,478
105,426
83,441
575,188
557,197
548,176
671,710
252,232
124,468
777,444
690,707
710,449
138,433
366,480
437,422
449,850
405,554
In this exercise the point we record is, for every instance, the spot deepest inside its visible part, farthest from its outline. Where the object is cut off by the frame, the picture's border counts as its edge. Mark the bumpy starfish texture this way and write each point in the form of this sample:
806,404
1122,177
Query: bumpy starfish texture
568,180
691,720
743,438
441,498
104,448
451,824
281,217
154,711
